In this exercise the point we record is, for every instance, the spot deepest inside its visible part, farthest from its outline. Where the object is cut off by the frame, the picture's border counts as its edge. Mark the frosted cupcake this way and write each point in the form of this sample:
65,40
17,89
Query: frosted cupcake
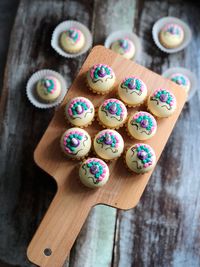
112,113
94,173
124,47
75,143
48,89
142,125
162,103
171,35
132,91
101,78
79,111
181,80
108,144
140,158
72,40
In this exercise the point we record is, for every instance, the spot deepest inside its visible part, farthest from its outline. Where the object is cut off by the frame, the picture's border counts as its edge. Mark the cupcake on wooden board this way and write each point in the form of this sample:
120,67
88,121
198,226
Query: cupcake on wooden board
101,78
132,91
108,144
94,173
162,103
124,47
141,125
112,113
48,88
72,40
171,35
80,111
140,158
75,143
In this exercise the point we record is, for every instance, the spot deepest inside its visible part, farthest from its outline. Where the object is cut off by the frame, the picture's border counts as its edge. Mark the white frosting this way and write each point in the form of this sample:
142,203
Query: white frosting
161,109
135,164
109,119
42,91
80,119
69,45
102,84
132,97
127,53
136,130
84,144
106,151
89,179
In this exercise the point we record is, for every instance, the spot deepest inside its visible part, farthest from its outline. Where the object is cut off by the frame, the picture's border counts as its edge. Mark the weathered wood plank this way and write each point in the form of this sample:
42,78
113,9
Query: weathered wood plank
25,192
163,230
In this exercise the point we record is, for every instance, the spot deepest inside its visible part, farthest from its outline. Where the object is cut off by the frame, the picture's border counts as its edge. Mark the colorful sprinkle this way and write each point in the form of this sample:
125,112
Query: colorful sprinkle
49,85
78,106
74,34
97,168
114,107
100,71
108,138
72,141
164,96
144,153
144,120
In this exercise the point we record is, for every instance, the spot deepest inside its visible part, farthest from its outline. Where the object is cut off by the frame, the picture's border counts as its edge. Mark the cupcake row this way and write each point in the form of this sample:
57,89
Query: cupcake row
108,145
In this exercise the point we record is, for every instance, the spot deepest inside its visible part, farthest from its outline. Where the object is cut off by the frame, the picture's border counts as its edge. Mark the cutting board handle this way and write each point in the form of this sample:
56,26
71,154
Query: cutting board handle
58,230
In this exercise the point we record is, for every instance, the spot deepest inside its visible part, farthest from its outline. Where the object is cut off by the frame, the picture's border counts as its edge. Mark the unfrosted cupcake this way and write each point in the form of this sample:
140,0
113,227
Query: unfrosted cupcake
72,40
124,47
171,35
94,173
101,78
75,143
140,158
182,80
162,103
142,125
112,113
48,88
132,91
79,111
108,144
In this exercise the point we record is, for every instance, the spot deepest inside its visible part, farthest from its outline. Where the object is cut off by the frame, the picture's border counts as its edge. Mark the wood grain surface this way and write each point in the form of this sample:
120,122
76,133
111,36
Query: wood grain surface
163,230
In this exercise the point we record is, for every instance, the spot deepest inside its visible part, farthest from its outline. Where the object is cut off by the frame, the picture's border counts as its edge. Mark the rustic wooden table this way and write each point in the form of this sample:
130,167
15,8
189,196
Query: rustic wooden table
163,230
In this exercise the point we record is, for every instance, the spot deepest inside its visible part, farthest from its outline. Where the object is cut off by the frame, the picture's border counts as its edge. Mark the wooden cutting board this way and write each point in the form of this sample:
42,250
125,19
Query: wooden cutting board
73,201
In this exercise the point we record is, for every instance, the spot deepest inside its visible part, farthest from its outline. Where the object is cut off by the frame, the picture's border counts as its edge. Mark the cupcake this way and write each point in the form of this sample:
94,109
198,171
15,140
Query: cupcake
108,144
181,80
72,40
75,143
142,125
124,47
112,113
171,35
79,111
101,78
162,103
94,173
132,91
140,158
48,88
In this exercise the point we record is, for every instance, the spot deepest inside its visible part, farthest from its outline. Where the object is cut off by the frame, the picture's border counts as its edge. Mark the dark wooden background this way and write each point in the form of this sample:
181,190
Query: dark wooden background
164,229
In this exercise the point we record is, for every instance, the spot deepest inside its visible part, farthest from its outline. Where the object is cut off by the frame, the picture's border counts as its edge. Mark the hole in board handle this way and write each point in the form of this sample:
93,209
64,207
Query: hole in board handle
47,252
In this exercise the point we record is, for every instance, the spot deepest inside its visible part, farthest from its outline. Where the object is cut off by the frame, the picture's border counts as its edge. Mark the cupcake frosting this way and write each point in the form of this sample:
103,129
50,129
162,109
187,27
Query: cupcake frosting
140,158
108,144
124,47
112,113
182,80
171,35
132,91
162,103
48,88
72,40
142,125
101,78
79,111
94,172
76,143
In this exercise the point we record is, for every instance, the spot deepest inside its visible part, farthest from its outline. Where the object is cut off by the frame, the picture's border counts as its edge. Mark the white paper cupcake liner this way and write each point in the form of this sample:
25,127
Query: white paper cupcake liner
31,89
65,25
161,23
124,34
186,72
